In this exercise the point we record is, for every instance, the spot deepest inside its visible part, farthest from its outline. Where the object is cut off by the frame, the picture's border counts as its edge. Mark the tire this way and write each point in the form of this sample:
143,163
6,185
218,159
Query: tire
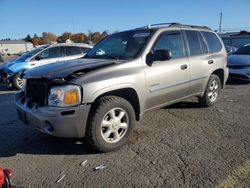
17,81
105,131
212,92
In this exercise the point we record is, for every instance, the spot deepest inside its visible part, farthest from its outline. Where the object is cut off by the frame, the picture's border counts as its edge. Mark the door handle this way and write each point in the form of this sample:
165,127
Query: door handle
210,62
183,67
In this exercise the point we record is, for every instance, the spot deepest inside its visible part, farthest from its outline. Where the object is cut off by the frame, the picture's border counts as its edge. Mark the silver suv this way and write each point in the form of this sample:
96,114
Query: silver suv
126,74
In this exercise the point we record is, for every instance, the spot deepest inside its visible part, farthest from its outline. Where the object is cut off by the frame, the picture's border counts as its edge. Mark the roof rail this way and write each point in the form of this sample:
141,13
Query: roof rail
173,25
157,25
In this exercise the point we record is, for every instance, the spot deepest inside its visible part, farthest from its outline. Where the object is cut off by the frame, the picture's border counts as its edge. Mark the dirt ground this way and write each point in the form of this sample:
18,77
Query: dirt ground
182,145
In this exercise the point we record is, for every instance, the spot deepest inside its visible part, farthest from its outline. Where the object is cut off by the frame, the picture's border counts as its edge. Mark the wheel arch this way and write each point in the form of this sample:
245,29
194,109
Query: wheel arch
220,74
129,94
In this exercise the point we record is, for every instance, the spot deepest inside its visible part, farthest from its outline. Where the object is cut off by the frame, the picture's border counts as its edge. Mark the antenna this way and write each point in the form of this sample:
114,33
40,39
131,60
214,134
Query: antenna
220,23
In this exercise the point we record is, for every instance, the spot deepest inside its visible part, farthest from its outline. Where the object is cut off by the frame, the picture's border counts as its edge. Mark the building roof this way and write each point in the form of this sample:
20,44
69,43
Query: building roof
12,42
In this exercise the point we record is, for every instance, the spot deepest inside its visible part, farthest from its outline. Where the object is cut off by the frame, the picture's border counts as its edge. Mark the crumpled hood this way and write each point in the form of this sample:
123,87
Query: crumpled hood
236,60
64,69
15,65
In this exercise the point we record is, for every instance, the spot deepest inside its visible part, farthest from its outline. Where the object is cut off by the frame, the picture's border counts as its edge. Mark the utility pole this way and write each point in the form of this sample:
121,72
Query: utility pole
220,23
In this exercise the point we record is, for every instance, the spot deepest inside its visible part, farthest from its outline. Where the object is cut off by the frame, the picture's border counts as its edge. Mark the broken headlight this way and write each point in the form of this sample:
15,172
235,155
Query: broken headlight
61,96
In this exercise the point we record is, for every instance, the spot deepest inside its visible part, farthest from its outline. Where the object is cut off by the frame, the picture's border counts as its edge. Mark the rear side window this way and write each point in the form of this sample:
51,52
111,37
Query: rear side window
213,42
84,50
194,43
72,50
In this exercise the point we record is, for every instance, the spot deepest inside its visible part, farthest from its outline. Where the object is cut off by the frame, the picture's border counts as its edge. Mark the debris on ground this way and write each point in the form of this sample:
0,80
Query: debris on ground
84,163
229,100
101,167
221,111
61,178
153,162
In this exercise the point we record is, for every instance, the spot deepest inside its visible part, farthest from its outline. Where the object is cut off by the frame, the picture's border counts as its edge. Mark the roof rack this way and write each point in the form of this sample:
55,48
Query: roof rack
173,25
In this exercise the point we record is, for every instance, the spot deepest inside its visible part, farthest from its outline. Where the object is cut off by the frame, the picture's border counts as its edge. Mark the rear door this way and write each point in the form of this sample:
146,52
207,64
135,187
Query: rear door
203,57
199,60
167,80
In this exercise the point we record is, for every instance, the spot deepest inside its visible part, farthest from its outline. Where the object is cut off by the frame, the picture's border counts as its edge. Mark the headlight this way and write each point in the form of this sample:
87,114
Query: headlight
69,95
24,84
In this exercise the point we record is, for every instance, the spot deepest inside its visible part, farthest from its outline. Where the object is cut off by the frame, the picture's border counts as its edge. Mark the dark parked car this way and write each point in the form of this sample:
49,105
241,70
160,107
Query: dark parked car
239,63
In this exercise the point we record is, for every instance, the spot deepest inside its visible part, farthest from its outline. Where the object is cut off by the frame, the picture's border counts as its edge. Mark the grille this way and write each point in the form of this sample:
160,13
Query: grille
37,91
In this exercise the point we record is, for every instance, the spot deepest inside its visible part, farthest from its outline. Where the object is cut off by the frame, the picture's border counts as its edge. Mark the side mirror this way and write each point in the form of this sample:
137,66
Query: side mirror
158,55
38,58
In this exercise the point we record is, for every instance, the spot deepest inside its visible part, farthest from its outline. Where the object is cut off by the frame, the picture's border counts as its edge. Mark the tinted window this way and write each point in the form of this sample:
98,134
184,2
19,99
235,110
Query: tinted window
72,50
172,42
245,50
194,43
84,50
238,42
203,44
53,52
213,42
226,41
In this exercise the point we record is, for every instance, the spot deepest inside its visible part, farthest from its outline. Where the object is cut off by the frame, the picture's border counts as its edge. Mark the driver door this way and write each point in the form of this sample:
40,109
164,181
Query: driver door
168,80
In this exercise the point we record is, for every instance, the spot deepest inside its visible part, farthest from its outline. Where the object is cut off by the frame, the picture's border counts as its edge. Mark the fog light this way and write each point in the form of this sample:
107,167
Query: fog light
48,127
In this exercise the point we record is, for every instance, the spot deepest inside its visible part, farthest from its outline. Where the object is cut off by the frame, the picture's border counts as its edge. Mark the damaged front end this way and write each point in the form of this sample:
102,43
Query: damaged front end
51,103
6,77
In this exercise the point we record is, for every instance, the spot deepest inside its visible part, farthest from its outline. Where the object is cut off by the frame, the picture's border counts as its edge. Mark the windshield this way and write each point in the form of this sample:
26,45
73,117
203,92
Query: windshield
245,50
31,53
124,45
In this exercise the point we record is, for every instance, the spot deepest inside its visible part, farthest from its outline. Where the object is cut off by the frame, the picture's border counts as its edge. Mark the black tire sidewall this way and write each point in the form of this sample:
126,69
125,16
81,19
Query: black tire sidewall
98,115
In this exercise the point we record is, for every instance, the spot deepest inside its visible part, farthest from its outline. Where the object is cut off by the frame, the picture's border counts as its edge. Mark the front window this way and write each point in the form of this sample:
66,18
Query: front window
53,52
31,53
245,50
124,45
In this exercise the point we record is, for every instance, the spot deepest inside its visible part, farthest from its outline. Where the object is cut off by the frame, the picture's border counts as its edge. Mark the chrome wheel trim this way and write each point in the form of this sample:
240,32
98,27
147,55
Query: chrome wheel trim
114,125
19,82
213,91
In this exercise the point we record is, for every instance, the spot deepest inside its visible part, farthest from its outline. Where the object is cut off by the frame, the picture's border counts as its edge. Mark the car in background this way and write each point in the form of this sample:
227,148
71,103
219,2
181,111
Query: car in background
10,73
239,63
230,49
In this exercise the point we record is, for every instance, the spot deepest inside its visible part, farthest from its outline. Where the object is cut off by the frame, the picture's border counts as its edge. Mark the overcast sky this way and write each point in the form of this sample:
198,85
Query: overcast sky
21,17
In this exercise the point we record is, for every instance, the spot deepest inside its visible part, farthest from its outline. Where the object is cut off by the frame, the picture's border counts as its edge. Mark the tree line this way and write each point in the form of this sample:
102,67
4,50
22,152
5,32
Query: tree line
49,37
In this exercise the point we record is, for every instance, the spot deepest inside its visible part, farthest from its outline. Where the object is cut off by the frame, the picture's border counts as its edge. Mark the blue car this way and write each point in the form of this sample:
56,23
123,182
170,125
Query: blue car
11,72
239,64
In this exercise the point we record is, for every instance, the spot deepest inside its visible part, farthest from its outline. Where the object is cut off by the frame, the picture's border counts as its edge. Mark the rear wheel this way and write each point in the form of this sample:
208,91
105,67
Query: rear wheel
110,123
212,91
17,81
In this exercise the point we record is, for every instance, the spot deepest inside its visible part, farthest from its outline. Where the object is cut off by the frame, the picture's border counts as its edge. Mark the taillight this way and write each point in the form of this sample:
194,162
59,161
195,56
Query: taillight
8,172
1,177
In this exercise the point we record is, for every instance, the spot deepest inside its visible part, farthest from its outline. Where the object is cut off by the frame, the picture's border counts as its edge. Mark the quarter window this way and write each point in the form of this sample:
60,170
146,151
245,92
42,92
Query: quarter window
171,42
214,44
72,50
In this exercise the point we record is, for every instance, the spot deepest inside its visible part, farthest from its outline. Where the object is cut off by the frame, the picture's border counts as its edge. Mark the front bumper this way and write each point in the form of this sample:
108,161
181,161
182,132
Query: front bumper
240,74
61,122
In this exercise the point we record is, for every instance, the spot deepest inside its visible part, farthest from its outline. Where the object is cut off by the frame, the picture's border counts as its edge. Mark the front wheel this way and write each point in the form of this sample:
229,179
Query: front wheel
212,91
110,123
17,81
